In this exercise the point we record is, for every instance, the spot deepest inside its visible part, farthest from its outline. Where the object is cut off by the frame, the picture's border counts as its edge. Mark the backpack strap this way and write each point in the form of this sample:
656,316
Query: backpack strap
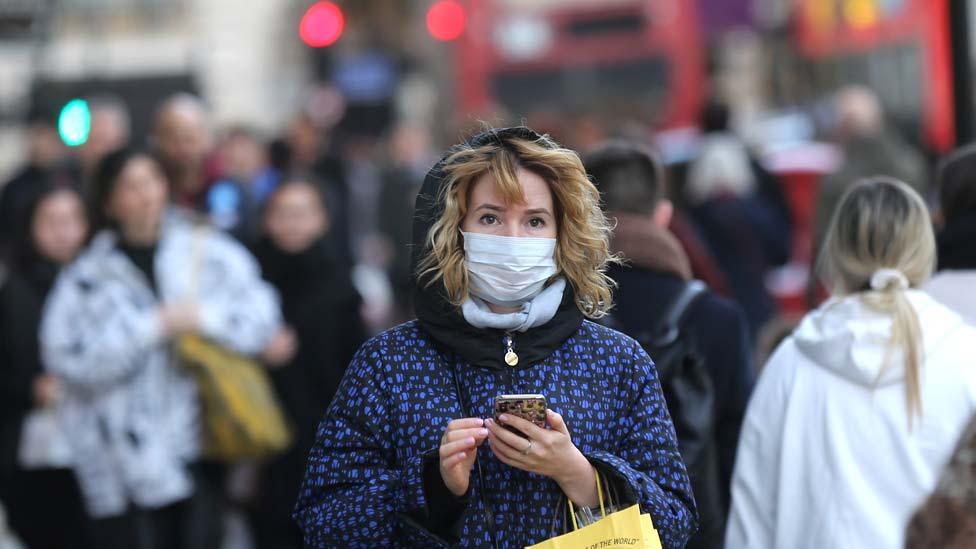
669,327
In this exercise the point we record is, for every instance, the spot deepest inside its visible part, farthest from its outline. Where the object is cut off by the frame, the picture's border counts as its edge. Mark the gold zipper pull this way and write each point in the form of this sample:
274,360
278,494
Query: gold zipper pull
510,357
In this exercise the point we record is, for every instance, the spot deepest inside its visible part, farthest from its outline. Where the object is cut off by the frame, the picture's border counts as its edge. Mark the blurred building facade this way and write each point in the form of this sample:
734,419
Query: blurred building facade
243,60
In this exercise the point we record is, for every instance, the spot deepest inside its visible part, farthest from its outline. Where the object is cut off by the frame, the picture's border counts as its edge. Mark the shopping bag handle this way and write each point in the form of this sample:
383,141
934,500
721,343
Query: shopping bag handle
599,494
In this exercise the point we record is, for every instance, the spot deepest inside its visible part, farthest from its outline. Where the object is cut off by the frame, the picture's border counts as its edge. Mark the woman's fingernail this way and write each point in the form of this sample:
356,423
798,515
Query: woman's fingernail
483,432
503,417
469,441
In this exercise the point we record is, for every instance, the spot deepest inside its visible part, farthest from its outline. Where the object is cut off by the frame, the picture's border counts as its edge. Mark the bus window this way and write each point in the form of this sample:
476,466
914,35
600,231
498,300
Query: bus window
642,59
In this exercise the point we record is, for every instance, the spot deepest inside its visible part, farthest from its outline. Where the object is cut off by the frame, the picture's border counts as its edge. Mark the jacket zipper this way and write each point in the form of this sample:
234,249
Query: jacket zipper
511,358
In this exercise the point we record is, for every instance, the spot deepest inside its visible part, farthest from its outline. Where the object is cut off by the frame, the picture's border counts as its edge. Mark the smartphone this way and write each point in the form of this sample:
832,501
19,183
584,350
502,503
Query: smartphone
528,407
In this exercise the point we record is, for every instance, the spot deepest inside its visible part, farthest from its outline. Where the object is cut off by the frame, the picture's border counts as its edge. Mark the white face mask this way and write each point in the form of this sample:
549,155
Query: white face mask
508,271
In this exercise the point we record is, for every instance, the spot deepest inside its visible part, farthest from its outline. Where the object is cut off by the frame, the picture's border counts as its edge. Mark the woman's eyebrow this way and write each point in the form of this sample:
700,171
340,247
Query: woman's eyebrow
489,206
537,211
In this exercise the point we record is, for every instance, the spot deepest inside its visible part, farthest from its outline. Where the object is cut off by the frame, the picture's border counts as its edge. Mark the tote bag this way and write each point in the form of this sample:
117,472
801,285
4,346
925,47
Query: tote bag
241,414
626,529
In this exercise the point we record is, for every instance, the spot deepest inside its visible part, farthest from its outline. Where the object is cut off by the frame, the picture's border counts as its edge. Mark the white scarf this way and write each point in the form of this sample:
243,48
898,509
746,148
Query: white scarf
534,313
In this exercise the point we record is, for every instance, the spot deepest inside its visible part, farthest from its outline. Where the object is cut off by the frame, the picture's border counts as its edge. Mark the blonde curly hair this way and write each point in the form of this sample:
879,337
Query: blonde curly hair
583,232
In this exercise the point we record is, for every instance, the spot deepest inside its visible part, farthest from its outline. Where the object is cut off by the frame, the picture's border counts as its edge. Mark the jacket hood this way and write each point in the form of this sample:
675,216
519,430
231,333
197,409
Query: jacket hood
443,320
648,246
850,338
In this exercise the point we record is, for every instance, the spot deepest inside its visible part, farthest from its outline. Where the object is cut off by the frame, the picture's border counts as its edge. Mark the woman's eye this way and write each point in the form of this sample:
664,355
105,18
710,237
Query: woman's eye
537,222
489,219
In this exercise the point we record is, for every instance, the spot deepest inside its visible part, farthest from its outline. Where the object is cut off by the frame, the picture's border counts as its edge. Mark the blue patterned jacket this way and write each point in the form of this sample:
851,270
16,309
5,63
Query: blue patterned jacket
364,484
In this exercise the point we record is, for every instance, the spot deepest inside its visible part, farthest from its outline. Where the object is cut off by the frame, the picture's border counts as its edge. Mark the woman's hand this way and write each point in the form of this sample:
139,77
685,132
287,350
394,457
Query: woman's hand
47,389
549,452
459,448
180,318
281,349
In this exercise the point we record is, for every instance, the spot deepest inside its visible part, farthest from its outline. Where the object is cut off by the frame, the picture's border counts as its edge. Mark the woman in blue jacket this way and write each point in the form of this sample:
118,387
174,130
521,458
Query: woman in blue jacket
510,249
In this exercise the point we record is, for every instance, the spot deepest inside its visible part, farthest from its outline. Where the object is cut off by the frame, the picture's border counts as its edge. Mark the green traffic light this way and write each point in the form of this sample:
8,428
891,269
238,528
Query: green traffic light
74,123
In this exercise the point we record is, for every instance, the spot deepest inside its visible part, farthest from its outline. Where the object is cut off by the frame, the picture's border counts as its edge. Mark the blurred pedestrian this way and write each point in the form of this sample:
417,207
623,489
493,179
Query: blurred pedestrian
110,131
183,144
868,148
856,413
35,461
411,155
46,157
741,211
309,148
234,201
372,252
132,416
510,249
657,272
310,353
954,283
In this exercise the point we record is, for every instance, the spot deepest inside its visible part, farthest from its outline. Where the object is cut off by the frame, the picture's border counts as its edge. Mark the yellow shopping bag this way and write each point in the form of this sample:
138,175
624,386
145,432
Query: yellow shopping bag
626,529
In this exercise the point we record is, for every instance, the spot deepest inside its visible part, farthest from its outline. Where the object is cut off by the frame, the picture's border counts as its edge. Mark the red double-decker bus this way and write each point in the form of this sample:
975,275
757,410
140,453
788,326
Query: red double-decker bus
898,48
636,58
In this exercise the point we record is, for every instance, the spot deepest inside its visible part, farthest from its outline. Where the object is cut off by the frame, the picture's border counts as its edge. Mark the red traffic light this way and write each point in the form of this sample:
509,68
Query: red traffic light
446,20
321,25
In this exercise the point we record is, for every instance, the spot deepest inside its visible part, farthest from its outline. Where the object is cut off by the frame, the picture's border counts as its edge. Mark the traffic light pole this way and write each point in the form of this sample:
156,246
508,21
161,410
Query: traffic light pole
962,72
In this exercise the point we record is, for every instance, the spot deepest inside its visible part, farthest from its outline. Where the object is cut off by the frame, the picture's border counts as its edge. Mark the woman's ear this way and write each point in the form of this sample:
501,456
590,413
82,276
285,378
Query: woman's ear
663,213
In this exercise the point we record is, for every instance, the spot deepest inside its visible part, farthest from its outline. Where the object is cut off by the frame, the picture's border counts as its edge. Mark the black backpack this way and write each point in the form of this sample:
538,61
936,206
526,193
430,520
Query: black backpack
690,394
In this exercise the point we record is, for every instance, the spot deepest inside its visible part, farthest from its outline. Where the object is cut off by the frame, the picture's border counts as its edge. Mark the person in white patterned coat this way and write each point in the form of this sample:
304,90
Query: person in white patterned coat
132,414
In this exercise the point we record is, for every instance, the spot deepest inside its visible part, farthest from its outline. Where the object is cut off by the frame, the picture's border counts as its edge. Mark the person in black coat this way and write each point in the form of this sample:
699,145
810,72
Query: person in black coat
631,183
43,500
46,160
309,356
742,213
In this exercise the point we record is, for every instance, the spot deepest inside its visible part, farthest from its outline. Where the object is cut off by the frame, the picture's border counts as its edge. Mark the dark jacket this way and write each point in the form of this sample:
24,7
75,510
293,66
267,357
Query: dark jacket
747,238
957,250
320,304
372,477
21,302
647,286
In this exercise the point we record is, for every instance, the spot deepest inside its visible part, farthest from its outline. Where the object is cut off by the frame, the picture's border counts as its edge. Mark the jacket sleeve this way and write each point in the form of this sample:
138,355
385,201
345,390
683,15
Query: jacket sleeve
755,479
355,494
18,367
646,463
93,337
238,309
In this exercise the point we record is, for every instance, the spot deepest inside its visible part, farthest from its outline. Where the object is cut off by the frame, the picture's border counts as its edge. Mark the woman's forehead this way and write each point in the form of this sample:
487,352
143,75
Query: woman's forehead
528,188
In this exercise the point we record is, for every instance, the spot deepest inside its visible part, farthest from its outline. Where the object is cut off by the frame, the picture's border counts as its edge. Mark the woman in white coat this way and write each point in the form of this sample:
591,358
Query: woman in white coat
131,415
856,413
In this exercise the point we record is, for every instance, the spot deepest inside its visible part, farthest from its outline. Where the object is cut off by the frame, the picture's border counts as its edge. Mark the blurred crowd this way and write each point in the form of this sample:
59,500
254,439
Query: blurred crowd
307,254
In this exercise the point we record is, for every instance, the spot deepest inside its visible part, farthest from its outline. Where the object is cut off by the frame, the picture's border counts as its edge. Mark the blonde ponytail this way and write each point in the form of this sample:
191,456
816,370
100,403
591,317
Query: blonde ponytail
906,336
879,244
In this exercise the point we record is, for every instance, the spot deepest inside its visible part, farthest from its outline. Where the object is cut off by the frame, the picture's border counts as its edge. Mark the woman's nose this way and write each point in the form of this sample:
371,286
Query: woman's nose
514,230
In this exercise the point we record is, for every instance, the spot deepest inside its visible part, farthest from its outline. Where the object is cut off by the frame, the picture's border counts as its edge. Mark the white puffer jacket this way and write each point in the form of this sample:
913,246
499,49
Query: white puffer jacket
131,417
826,457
